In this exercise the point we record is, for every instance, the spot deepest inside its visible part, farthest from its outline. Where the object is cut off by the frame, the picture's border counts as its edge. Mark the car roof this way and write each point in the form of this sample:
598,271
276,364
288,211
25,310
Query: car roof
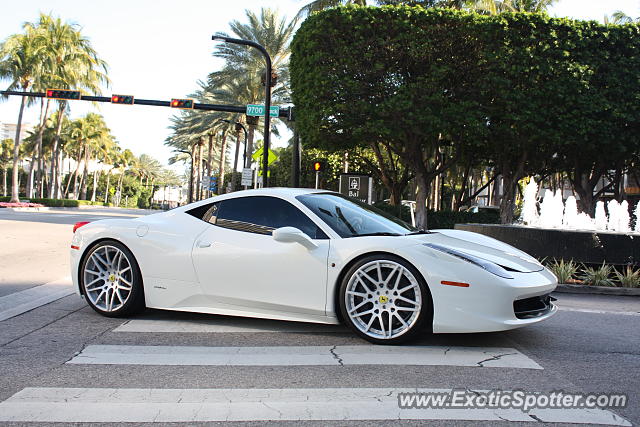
283,192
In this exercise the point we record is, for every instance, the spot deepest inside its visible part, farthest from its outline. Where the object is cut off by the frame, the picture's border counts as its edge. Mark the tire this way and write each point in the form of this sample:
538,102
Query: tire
369,298
111,281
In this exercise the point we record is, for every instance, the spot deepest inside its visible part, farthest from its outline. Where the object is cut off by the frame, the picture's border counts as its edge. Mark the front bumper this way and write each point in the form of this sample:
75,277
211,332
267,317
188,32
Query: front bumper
487,303
497,306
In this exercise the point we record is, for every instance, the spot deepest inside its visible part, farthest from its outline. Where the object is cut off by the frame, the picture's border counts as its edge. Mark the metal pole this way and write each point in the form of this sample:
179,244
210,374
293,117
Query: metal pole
267,101
317,179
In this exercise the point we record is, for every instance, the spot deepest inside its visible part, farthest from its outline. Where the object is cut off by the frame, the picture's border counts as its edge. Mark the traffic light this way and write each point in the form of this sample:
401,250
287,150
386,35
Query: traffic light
63,94
319,165
182,103
122,99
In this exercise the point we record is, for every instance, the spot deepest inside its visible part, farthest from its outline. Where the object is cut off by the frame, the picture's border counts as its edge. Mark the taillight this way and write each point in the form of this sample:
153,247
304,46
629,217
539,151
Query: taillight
79,224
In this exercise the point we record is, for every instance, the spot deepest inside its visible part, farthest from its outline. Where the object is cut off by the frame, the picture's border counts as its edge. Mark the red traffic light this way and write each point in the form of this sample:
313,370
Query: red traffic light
63,94
182,103
122,99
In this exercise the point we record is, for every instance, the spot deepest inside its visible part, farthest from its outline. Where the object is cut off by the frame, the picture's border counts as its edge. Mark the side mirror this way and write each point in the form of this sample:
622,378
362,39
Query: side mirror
293,235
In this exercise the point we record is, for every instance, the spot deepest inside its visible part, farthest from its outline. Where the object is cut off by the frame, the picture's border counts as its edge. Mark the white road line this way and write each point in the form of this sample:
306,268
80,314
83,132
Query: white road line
585,310
20,302
108,405
222,325
304,356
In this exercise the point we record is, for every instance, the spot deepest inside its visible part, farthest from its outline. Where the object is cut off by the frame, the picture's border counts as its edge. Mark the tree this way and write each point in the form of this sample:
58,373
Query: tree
20,62
6,153
606,114
241,80
620,18
319,5
410,87
72,63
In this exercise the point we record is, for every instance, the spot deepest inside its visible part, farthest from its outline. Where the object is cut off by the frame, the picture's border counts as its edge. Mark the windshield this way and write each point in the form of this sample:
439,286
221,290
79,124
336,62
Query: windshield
351,218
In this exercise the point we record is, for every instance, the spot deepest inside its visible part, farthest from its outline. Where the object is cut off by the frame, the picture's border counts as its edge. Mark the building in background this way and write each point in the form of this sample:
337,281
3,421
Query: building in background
8,130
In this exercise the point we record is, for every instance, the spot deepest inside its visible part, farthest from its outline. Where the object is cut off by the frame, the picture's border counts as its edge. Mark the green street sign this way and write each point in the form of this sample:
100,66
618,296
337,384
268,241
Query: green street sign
258,110
258,155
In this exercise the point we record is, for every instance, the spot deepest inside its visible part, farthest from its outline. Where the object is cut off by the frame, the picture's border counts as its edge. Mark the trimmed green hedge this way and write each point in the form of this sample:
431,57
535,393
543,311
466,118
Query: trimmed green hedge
442,219
59,203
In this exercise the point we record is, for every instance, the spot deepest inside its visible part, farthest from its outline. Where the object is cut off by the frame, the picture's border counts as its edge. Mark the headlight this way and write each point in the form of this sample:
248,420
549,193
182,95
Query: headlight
482,263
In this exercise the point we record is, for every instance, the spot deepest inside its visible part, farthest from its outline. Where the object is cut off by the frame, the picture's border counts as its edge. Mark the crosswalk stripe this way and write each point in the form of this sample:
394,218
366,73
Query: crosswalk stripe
303,356
200,405
222,325
20,302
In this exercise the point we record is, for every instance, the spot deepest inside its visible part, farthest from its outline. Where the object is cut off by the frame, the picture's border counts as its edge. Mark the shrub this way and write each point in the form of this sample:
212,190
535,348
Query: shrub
442,219
448,219
564,271
629,278
597,276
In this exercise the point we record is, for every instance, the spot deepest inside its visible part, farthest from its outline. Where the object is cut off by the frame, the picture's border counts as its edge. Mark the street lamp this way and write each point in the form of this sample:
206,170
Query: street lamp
267,101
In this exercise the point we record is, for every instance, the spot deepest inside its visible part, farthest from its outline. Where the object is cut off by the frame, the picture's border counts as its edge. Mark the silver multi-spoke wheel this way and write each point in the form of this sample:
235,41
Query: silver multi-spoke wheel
108,278
383,299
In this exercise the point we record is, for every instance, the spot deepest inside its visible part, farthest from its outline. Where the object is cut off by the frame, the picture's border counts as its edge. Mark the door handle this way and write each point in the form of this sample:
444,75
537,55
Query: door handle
202,244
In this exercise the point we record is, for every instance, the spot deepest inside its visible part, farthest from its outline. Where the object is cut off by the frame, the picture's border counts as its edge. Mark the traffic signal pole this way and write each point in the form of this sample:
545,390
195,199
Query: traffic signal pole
284,112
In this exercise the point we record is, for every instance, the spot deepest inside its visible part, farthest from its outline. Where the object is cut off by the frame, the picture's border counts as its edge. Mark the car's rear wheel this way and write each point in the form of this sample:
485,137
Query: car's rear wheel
111,280
384,299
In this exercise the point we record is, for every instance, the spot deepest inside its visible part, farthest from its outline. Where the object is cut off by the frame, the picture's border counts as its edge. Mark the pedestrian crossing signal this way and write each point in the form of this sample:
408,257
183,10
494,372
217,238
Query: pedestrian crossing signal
182,103
317,166
122,99
63,94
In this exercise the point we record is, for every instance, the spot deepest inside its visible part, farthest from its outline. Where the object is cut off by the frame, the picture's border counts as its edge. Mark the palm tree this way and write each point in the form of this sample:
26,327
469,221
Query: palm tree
241,80
20,62
494,7
318,5
85,133
71,63
123,161
149,168
108,152
6,149
620,18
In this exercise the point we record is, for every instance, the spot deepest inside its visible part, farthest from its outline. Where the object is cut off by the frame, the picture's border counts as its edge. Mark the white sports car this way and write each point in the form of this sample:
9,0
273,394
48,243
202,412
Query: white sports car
311,256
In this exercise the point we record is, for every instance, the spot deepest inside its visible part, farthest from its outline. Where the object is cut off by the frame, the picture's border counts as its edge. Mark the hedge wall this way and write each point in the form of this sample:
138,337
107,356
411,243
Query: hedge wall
523,92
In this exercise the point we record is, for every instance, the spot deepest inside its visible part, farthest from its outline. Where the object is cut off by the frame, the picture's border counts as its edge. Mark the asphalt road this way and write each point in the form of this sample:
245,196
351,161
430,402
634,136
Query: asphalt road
62,360
34,246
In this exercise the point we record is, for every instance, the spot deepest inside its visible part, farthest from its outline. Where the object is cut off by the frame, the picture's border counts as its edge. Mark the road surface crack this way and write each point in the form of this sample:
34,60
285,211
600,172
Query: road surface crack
496,357
502,418
335,355
535,418
272,408
41,327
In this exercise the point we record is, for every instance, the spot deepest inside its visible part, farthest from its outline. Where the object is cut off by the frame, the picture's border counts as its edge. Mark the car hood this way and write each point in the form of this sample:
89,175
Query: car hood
485,248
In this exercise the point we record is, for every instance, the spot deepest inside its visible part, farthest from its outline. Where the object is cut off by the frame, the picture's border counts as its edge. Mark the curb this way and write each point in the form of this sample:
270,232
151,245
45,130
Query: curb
45,208
598,290
76,208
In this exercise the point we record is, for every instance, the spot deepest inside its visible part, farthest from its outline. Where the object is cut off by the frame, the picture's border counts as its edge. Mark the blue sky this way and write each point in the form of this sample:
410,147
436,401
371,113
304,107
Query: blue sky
158,49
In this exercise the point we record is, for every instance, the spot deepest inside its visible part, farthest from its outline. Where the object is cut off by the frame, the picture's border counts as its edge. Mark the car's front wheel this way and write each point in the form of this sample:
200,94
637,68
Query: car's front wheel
111,280
384,299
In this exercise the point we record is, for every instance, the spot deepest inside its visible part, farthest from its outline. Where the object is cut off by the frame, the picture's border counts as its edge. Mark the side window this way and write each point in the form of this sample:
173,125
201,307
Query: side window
207,212
262,215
